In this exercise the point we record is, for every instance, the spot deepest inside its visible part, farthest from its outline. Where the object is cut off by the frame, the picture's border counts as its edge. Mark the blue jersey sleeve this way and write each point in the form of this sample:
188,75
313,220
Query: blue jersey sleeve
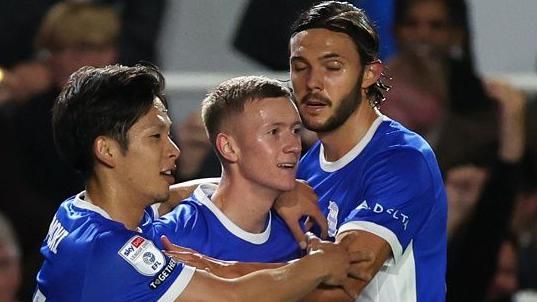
129,267
398,198
179,226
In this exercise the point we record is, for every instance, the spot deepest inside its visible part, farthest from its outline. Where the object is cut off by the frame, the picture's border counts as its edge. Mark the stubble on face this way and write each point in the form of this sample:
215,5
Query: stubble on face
348,105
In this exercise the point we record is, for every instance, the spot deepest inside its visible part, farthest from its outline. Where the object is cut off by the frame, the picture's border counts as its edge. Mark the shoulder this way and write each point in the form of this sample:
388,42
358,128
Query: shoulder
187,212
312,154
395,145
309,161
185,222
391,134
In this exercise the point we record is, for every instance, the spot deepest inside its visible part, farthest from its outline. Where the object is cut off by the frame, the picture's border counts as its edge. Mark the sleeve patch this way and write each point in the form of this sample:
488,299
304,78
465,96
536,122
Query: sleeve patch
143,255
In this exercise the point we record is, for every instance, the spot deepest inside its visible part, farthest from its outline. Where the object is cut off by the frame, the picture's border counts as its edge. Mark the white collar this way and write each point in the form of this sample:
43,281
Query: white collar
203,193
83,201
332,166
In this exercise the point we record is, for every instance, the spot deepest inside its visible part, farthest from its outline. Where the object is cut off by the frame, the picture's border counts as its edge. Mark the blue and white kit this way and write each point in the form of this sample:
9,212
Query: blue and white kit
198,224
388,184
89,257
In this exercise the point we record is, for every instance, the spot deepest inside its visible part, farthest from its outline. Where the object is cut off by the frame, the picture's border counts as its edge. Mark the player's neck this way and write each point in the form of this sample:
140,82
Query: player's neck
121,205
340,141
246,205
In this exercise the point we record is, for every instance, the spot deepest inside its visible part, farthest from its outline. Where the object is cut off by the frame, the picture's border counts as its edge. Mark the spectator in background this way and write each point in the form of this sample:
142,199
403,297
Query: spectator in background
23,72
524,224
436,90
504,283
481,202
10,262
78,34
198,158
75,34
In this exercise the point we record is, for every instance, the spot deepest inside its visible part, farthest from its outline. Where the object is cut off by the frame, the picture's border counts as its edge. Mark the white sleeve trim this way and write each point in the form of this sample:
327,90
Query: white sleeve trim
376,229
178,285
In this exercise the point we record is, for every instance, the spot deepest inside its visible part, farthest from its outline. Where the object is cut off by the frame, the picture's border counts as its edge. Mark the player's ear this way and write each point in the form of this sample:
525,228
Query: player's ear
106,150
227,147
372,72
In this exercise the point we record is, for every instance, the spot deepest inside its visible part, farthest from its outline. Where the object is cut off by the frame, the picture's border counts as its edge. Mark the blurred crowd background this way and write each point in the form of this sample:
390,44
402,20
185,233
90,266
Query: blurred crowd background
463,76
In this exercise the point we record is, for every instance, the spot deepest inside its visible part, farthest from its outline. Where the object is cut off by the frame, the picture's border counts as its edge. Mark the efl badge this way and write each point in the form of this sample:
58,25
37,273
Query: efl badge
143,255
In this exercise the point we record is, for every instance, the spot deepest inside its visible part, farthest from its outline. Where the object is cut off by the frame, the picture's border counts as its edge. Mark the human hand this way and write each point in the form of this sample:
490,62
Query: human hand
23,81
512,113
300,202
197,260
339,262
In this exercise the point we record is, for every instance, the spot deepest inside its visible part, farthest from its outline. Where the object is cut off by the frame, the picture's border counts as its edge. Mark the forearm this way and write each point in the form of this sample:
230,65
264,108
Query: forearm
239,269
181,191
233,269
365,242
288,283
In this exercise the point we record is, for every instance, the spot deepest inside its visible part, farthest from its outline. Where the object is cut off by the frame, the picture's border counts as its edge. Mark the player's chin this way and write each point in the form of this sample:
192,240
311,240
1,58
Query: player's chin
314,123
162,194
287,184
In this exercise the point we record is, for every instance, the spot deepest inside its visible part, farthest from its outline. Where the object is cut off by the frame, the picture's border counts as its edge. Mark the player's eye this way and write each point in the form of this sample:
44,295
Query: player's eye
299,66
333,66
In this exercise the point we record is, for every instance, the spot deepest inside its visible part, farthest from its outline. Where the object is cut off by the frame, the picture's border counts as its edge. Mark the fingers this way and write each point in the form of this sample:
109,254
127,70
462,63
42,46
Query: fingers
313,242
185,257
297,232
361,256
317,216
358,273
308,224
166,243
194,260
170,247
313,212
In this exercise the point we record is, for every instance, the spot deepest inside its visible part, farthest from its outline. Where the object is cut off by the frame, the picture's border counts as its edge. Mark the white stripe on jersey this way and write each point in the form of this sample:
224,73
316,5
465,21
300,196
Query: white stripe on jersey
179,284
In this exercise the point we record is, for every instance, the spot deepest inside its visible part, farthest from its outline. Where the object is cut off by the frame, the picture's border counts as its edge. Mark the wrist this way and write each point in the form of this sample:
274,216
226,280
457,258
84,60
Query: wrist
317,264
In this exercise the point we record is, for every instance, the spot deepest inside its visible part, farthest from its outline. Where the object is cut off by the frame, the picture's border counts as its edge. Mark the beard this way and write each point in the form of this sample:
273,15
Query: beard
348,105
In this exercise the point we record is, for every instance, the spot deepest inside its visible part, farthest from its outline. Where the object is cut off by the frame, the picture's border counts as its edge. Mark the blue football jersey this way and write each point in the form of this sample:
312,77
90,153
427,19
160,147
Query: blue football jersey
390,185
198,224
89,257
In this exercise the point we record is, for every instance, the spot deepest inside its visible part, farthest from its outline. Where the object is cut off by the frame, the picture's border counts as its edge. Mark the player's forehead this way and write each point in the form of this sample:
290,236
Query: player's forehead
320,43
155,117
272,109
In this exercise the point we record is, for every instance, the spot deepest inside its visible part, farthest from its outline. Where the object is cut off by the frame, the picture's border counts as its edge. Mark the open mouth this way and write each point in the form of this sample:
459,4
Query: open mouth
169,174
287,165
315,103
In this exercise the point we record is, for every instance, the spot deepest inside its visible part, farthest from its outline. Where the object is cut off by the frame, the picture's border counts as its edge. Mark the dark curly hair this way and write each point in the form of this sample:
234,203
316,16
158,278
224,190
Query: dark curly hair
346,18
